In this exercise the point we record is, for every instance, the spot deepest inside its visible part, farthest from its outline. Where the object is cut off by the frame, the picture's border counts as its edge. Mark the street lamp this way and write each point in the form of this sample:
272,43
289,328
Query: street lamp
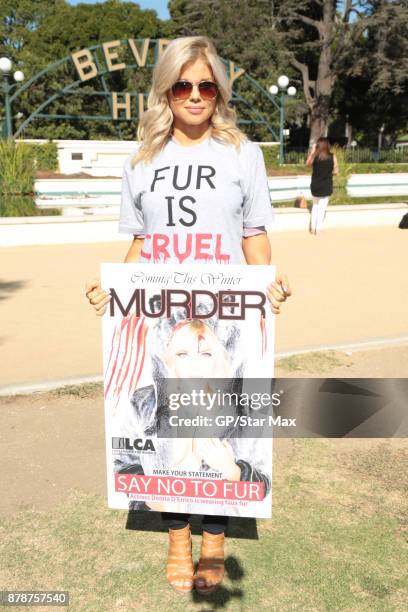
5,68
283,82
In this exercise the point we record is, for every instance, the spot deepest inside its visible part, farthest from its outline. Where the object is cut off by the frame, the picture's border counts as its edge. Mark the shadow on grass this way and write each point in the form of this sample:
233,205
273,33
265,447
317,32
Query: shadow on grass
223,595
238,527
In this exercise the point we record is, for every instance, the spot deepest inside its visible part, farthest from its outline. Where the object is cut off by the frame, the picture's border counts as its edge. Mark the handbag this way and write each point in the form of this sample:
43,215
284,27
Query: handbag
301,201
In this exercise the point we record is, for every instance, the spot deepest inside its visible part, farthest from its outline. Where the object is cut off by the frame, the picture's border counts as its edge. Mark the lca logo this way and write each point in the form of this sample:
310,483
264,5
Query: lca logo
139,444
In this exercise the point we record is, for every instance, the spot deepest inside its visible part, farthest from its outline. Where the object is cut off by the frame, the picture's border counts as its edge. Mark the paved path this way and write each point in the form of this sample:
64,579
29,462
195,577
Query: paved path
348,285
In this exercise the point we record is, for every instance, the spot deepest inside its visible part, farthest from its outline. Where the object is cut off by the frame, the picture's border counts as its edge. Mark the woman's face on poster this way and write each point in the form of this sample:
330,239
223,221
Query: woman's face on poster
196,353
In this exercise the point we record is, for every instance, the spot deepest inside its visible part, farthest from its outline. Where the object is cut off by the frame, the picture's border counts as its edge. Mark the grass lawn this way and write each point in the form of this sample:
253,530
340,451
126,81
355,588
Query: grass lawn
340,200
318,362
337,541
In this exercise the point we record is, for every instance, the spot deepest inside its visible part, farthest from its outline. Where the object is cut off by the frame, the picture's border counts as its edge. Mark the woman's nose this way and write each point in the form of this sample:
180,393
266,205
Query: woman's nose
195,370
195,93
195,367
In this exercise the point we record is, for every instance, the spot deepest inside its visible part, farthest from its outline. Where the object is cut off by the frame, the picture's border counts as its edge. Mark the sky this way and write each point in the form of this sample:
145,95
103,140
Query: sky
160,6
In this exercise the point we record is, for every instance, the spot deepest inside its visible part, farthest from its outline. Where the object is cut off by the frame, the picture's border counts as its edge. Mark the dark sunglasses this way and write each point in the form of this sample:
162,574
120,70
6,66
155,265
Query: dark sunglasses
182,89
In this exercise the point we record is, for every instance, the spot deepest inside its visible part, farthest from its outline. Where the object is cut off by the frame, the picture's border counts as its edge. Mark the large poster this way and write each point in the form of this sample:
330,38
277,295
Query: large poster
169,445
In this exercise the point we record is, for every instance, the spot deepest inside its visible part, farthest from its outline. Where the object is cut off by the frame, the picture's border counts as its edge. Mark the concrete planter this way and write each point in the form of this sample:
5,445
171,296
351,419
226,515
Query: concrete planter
93,192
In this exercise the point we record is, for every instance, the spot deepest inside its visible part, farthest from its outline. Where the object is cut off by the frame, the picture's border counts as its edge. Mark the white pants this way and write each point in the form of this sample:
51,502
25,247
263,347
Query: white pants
318,212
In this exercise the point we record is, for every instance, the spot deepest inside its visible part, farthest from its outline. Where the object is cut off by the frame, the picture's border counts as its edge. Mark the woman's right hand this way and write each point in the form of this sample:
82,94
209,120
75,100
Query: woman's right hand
97,297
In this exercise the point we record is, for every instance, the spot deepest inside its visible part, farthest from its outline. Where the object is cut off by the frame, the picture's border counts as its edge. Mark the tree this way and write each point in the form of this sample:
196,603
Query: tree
330,40
319,39
384,66
17,19
241,33
37,33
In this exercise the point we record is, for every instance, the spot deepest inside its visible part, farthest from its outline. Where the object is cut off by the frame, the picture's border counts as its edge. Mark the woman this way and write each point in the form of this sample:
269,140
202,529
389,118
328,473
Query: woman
194,191
325,165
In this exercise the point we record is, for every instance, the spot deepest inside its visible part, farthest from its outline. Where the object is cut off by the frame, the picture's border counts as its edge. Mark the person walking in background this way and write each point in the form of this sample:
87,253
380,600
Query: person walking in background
325,165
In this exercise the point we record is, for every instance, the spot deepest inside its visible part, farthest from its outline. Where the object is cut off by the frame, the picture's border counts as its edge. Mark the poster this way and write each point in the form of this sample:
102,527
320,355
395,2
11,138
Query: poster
167,328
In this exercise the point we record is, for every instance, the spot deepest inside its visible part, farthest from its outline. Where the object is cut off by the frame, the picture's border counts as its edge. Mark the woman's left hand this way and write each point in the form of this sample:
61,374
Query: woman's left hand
219,456
278,291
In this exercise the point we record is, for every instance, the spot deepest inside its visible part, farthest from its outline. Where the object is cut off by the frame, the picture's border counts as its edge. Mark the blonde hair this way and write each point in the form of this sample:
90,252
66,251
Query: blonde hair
198,328
155,126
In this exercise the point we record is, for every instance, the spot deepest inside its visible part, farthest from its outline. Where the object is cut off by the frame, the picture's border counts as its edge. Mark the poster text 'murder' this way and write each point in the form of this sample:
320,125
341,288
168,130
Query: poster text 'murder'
228,304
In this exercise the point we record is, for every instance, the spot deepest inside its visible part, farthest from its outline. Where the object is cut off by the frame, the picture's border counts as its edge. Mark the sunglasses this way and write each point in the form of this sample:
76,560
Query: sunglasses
182,89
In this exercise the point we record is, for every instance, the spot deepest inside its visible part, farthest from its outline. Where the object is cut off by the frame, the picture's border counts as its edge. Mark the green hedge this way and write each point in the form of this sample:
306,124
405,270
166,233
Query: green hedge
17,168
358,156
271,155
18,164
24,206
45,155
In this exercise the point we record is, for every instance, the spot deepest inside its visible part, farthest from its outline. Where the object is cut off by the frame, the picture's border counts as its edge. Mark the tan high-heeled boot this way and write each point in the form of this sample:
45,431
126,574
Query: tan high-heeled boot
180,568
210,570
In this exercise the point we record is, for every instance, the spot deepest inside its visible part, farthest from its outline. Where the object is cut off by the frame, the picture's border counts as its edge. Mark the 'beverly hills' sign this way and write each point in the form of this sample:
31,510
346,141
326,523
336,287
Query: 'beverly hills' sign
88,67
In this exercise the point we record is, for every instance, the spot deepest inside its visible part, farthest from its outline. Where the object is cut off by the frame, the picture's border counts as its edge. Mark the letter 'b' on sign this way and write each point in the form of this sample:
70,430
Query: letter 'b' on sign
83,61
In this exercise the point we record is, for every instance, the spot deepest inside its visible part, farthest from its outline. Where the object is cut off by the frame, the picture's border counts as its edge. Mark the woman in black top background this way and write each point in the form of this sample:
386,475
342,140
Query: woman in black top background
325,165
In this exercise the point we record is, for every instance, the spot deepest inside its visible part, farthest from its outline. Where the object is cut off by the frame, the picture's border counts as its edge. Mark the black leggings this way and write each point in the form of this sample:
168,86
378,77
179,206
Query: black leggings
211,524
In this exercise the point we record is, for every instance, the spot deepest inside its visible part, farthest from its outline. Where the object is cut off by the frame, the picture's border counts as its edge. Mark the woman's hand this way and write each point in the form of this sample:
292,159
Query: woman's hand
218,455
277,292
97,296
182,455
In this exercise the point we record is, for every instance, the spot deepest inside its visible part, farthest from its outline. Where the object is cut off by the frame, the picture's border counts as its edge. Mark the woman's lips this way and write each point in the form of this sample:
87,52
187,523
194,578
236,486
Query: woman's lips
194,110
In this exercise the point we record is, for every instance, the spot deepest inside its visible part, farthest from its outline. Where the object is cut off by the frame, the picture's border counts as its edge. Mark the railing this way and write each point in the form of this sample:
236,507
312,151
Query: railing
298,155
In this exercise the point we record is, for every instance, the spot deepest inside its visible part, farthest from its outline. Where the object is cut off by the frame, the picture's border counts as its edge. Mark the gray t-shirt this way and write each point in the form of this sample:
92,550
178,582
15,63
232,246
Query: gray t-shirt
192,203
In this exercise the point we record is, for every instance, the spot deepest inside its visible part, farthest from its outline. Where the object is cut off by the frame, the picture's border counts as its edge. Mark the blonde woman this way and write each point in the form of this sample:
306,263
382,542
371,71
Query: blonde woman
194,190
